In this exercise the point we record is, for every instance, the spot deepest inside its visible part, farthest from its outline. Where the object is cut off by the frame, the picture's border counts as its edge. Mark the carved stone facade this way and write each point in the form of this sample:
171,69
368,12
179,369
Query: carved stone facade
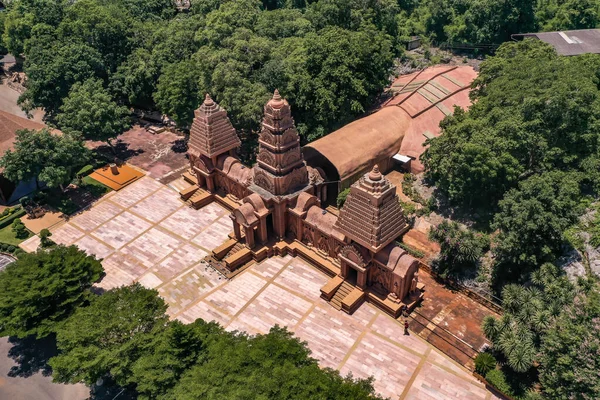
280,169
280,197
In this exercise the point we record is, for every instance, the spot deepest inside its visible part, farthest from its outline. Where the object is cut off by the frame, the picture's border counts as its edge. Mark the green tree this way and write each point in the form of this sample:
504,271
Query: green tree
106,337
177,92
569,359
460,248
40,290
53,68
89,111
18,228
531,222
170,354
44,156
271,366
528,315
533,111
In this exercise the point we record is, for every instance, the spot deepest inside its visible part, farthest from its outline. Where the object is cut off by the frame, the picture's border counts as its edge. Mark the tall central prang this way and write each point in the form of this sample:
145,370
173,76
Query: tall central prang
280,169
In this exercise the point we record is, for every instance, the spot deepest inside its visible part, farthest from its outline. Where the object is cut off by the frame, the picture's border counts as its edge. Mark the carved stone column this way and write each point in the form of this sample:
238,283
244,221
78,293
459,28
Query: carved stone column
249,231
262,229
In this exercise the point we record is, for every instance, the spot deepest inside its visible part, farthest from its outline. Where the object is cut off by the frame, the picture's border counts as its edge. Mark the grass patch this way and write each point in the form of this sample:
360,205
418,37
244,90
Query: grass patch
7,236
95,187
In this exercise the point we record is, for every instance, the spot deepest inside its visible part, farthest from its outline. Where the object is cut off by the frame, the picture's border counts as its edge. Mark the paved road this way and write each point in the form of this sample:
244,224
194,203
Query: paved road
35,387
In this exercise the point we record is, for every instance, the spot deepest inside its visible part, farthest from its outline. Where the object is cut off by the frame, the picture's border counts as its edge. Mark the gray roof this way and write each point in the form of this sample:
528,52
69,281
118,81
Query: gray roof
569,43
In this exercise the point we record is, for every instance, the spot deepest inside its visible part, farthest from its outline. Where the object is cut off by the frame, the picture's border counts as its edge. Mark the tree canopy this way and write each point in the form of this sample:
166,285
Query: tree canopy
125,335
44,156
89,111
40,290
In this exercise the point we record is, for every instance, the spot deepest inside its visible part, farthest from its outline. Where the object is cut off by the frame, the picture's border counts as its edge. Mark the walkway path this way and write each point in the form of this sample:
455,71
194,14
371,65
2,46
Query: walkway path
144,233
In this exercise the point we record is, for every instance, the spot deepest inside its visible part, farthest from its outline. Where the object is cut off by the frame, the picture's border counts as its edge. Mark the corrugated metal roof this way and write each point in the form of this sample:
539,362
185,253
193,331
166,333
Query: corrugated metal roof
568,43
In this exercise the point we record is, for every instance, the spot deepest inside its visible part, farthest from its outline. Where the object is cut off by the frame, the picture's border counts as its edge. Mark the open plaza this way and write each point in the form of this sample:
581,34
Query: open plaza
146,233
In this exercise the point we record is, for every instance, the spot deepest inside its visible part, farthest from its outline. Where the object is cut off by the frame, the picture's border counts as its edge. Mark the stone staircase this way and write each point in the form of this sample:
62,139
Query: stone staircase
343,291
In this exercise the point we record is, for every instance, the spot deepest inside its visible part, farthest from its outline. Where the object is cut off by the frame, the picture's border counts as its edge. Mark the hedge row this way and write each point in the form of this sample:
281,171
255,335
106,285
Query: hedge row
9,219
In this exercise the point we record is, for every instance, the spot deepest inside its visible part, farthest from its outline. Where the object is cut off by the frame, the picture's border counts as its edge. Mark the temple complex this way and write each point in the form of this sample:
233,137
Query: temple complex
276,208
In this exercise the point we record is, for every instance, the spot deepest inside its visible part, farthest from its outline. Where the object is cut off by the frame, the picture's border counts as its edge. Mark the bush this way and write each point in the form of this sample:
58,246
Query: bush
4,246
18,213
496,378
19,229
484,362
85,171
45,238
341,198
411,250
460,249
18,252
11,249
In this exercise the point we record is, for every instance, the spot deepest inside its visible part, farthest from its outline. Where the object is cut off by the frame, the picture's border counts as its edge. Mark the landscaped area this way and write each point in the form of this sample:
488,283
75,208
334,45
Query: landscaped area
145,233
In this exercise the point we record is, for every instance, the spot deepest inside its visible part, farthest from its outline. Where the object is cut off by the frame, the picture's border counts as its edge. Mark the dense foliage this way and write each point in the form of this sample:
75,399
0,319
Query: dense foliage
550,327
330,58
44,156
40,290
524,152
126,336
460,248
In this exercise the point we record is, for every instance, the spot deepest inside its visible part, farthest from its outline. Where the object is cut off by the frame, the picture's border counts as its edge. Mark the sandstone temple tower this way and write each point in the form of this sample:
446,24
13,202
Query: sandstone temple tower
276,208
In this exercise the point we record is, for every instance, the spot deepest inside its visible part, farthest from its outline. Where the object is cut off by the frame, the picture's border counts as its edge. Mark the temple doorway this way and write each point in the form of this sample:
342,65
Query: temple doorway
352,275
269,223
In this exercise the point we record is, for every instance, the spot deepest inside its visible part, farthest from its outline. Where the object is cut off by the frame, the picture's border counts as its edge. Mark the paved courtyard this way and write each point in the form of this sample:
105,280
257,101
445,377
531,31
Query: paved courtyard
145,233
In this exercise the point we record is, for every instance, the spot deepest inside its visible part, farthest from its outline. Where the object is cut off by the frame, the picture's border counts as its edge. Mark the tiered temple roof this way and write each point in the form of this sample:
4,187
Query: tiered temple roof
212,133
280,169
371,215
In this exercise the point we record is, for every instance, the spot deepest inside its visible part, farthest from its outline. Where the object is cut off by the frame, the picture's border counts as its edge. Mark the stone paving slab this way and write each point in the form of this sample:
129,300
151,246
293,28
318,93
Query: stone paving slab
371,354
215,234
135,192
121,229
152,246
187,222
158,205
94,247
89,220
66,234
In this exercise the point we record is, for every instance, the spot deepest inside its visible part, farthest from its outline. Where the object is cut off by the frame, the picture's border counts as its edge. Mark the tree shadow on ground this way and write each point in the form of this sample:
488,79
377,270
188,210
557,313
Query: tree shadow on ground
122,151
179,146
31,355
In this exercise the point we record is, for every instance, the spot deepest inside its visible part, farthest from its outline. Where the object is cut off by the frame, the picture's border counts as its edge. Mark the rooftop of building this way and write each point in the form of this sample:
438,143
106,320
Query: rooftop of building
9,125
568,43
418,104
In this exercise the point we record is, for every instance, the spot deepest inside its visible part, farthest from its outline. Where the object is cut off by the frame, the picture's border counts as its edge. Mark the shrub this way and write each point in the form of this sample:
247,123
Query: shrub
4,246
45,238
496,378
18,252
341,198
85,171
17,213
411,250
11,249
460,248
484,362
19,229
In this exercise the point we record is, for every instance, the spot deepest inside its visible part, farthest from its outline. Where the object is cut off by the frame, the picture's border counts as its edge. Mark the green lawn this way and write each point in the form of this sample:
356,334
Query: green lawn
7,236
90,188
94,186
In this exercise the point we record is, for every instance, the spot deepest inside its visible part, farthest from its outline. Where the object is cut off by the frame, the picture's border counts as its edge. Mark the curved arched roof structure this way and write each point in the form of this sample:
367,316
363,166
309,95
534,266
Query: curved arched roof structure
421,100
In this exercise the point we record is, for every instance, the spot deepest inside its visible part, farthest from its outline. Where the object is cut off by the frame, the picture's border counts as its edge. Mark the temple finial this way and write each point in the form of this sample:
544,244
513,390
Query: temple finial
375,175
276,95
208,100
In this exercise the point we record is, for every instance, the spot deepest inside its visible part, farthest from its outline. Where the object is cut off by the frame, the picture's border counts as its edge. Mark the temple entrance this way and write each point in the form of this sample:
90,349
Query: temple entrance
269,223
352,276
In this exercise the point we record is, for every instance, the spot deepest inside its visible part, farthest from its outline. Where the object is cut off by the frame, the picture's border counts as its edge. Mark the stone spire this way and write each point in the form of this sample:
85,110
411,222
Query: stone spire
212,133
280,169
371,215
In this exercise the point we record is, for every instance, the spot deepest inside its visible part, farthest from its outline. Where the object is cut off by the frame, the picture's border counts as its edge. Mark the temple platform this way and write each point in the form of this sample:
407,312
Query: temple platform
117,177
